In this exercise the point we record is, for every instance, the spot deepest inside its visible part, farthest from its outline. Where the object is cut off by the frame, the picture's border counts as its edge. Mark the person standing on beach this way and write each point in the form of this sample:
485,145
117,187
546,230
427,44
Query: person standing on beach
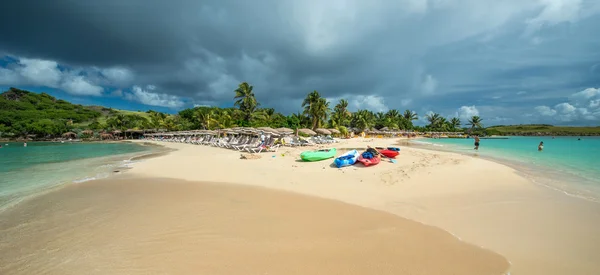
476,142
541,146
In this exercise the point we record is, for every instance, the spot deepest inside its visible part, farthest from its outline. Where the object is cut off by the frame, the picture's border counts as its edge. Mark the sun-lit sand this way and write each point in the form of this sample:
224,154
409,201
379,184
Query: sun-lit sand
162,226
162,217
540,231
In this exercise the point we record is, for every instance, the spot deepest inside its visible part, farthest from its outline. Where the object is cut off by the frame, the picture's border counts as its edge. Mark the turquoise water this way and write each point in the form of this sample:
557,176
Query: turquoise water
41,166
568,163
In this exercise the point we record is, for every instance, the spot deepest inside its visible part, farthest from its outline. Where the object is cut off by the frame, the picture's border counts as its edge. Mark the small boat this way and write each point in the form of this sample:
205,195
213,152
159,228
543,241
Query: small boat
389,153
346,159
368,159
318,155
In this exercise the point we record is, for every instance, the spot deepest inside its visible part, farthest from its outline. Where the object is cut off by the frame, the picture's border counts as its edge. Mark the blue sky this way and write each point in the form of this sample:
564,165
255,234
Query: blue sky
508,61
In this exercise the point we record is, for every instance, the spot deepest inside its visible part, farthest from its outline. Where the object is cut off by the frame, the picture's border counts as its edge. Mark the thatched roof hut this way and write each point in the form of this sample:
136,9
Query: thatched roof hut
334,131
87,132
323,131
284,130
307,131
69,134
106,136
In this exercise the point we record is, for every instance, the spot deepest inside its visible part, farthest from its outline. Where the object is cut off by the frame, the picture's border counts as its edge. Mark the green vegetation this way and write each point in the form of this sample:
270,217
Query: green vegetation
43,116
542,130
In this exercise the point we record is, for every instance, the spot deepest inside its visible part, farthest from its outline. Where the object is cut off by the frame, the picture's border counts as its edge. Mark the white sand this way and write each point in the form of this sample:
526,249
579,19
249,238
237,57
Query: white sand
539,230
162,226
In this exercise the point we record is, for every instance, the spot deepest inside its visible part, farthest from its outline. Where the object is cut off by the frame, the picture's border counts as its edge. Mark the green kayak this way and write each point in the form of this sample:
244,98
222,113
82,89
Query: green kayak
318,155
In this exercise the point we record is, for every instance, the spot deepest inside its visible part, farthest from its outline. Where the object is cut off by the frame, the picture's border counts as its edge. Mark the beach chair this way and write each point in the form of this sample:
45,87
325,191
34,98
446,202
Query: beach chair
273,148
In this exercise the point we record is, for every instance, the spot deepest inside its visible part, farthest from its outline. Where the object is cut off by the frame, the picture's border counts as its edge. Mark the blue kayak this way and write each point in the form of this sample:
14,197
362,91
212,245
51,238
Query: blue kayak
394,149
346,159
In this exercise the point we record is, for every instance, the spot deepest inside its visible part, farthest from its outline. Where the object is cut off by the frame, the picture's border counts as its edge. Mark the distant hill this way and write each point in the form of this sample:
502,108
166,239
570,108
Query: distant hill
42,115
542,130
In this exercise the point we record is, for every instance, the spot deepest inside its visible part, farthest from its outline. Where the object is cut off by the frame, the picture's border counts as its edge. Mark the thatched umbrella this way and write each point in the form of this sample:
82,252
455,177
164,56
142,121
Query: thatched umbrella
69,134
323,131
87,132
116,132
284,130
307,132
268,129
334,131
106,135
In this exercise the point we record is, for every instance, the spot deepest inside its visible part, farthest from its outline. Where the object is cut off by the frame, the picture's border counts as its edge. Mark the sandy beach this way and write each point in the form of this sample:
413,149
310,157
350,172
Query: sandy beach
162,226
164,204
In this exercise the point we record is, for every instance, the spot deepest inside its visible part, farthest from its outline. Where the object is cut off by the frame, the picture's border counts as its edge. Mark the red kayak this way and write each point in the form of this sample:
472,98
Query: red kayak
368,162
389,153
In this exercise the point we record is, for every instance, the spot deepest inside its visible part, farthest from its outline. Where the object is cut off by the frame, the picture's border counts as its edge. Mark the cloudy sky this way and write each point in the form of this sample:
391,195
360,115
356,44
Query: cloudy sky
508,61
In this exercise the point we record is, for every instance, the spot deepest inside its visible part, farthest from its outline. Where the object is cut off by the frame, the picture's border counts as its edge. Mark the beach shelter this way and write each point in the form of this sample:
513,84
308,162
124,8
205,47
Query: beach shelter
307,132
323,131
69,135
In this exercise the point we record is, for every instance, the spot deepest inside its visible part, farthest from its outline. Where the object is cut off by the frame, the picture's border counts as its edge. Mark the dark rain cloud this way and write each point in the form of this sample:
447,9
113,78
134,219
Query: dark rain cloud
422,55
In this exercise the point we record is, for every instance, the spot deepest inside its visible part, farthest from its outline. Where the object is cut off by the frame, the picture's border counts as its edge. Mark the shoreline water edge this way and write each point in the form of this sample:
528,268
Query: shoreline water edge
546,175
479,201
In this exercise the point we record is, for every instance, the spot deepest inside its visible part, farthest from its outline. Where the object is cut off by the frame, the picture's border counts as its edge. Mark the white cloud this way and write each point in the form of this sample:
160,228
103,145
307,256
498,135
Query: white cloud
118,76
8,77
370,102
565,108
466,112
78,85
40,72
554,12
545,110
583,105
153,99
200,105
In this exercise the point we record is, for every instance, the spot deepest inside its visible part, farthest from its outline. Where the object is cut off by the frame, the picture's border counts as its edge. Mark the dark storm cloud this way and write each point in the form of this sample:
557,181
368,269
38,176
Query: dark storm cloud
384,54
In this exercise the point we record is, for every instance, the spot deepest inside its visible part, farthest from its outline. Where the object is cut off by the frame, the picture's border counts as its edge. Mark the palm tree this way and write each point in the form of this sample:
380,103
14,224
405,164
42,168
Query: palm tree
157,118
316,107
207,118
225,119
246,100
340,114
410,115
455,123
434,120
475,122
363,119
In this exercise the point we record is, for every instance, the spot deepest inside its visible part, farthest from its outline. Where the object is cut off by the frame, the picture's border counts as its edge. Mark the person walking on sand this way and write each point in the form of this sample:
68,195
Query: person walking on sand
541,146
476,142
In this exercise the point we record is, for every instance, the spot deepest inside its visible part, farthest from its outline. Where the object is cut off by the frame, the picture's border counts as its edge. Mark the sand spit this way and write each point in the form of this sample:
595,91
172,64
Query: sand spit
131,225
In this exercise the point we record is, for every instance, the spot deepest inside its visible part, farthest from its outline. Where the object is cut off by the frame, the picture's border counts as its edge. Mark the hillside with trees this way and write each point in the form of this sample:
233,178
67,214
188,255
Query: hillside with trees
41,116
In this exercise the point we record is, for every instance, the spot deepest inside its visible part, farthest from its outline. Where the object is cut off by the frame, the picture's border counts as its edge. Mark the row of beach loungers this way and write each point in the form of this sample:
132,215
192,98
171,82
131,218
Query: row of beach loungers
247,143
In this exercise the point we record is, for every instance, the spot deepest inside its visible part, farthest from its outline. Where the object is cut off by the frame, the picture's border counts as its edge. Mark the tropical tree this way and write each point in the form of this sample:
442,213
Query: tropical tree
157,118
408,118
341,115
475,122
317,108
434,120
206,117
410,115
455,123
246,101
363,119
